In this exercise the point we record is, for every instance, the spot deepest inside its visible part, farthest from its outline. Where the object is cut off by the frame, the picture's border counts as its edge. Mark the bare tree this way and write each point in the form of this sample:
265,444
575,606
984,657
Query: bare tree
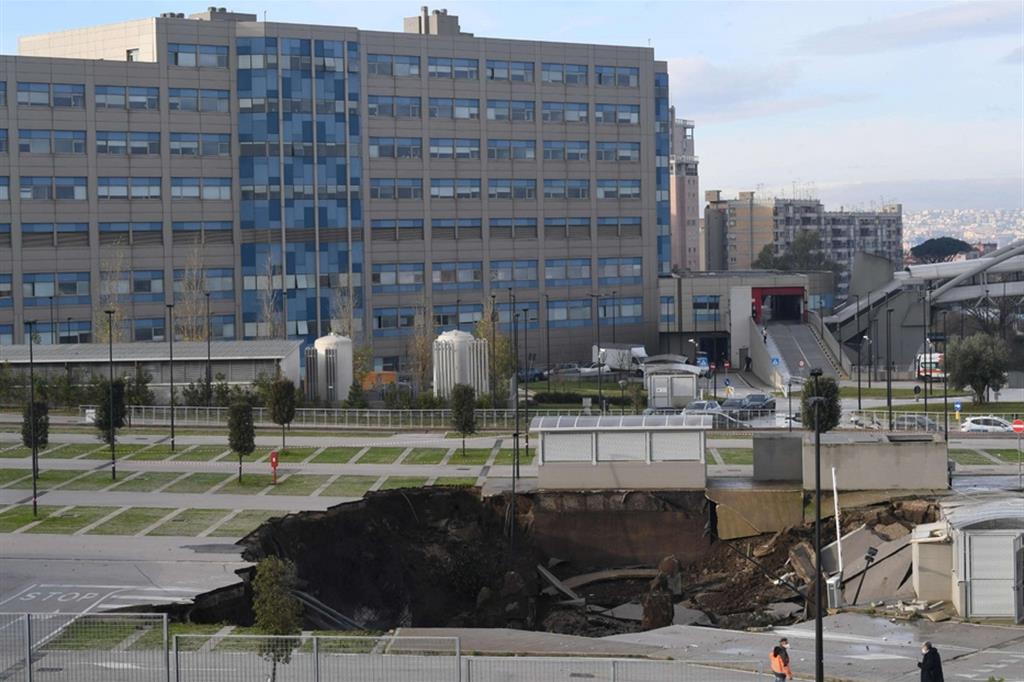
502,364
270,325
343,322
421,347
190,302
111,297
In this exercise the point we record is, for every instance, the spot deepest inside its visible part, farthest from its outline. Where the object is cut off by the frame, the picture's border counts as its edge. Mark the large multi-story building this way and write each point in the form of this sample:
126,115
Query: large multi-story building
303,174
739,229
688,252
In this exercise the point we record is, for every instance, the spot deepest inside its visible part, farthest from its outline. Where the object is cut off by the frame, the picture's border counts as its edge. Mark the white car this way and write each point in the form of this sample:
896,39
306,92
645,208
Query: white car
593,369
986,424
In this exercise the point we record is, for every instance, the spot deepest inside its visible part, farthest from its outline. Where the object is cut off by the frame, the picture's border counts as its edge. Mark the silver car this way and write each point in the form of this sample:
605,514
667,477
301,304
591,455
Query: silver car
988,424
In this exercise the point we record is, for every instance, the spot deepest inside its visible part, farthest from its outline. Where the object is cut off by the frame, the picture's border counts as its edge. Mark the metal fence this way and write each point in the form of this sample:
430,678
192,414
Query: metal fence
95,647
135,648
877,419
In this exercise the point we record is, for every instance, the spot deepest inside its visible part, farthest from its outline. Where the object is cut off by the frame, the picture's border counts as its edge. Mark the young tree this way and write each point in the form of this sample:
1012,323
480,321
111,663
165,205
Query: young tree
278,613
136,390
980,361
190,301
939,250
104,416
356,397
421,349
281,403
241,432
463,401
831,410
36,419
112,286
271,323
499,346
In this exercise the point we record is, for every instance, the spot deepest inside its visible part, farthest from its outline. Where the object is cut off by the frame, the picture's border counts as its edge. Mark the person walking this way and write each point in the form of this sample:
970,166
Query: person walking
780,661
931,664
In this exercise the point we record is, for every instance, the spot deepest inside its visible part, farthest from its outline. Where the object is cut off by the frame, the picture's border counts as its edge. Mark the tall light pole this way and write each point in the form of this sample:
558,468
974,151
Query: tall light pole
860,343
170,338
615,312
819,654
494,350
53,328
514,319
529,371
209,364
945,381
547,336
110,405
597,338
69,328
888,363
32,416
924,353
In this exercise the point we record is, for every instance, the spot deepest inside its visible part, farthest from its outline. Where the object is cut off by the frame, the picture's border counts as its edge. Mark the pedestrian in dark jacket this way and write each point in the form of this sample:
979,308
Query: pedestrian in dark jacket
931,664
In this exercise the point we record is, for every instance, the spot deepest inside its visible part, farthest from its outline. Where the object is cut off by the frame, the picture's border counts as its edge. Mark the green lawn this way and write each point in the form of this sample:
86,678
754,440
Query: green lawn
244,523
131,521
10,475
968,457
154,453
197,483
16,517
968,408
336,455
51,478
395,482
425,456
72,450
154,637
473,457
120,451
145,482
19,452
507,457
85,636
876,392
97,480
201,453
250,485
190,522
380,456
457,481
349,486
1005,454
736,455
299,484
293,455
67,522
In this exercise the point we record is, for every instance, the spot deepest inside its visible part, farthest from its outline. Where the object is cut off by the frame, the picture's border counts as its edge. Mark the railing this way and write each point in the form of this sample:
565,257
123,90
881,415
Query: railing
877,419
829,342
147,415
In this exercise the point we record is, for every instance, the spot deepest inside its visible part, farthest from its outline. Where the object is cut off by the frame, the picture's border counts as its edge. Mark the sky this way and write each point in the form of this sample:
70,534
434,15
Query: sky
856,102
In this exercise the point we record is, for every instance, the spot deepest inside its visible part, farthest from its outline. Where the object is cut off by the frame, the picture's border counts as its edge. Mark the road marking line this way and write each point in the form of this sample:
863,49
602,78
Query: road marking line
18,594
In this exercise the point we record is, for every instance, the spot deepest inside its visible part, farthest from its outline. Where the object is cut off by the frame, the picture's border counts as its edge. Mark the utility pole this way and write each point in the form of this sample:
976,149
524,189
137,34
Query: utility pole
32,415
819,653
529,371
170,338
209,365
547,336
945,380
493,356
924,355
110,406
888,363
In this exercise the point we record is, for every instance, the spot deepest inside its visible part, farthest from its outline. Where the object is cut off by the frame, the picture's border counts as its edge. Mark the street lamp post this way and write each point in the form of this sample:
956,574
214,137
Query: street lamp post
924,353
53,328
597,339
547,336
819,658
888,363
615,313
110,406
493,357
32,416
515,383
529,372
945,381
209,364
170,338
860,343
69,328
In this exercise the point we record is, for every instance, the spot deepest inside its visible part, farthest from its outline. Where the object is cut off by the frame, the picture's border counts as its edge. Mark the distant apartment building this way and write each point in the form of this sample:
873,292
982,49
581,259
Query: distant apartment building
688,252
309,173
738,229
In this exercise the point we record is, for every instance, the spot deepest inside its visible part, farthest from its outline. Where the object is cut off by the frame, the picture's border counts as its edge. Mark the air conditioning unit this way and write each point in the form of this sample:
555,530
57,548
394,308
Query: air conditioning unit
834,591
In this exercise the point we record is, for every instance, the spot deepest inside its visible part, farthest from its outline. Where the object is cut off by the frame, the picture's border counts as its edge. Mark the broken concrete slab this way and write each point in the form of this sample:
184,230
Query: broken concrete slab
555,583
801,558
578,581
885,580
748,512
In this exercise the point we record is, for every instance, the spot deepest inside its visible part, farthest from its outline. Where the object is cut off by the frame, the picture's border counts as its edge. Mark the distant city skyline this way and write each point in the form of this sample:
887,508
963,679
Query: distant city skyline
858,103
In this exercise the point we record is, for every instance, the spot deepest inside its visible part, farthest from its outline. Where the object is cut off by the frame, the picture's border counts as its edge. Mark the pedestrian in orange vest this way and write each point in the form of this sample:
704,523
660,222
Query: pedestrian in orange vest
780,661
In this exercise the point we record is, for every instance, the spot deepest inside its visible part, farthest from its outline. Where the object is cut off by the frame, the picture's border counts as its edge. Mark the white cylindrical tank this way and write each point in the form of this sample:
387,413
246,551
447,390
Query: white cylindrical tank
333,367
460,358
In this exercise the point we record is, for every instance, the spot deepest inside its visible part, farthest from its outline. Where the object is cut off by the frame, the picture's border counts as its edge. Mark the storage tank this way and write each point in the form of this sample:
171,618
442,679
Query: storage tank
460,358
333,367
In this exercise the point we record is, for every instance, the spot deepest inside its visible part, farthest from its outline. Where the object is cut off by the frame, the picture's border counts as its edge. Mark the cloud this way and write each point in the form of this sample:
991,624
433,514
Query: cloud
1015,57
714,93
947,23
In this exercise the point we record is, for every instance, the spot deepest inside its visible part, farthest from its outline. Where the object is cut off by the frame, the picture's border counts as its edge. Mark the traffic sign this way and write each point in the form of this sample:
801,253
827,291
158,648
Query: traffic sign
775,361
728,382
957,405
1018,425
917,389
727,364
702,362
801,363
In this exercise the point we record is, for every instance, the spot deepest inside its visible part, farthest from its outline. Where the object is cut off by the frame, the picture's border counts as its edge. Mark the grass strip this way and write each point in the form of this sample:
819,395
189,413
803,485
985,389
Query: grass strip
70,520
130,521
506,456
457,481
336,455
249,485
189,523
244,523
299,484
396,482
349,486
736,455
472,457
197,483
14,518
380,456
425,456
146,482
968,457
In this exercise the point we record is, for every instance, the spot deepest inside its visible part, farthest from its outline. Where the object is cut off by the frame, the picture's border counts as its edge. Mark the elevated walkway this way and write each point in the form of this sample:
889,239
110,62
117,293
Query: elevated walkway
797,342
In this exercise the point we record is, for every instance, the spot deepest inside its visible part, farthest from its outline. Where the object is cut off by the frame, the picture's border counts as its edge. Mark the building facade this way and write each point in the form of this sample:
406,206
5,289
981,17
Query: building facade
738,229
688,251
316,177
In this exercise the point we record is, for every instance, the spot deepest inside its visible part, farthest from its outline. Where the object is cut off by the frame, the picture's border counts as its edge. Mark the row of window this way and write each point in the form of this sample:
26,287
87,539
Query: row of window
185,54
118,143
72,288
501,149
408,66
502,188
388,106
222,328
399,321
44,187
72,95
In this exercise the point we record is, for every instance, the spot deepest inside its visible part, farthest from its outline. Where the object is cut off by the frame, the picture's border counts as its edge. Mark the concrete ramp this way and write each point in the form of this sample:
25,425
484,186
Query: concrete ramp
797,342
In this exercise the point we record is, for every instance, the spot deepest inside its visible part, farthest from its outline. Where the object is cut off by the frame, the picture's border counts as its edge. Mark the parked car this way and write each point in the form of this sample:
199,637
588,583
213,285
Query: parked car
703,406
759,404
915,422
986,424
566,369
662,410
593,369
528,374
735,407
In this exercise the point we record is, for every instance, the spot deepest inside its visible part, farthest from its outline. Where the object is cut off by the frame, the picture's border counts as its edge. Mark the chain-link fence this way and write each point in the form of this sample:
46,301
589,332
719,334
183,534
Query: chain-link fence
101,647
